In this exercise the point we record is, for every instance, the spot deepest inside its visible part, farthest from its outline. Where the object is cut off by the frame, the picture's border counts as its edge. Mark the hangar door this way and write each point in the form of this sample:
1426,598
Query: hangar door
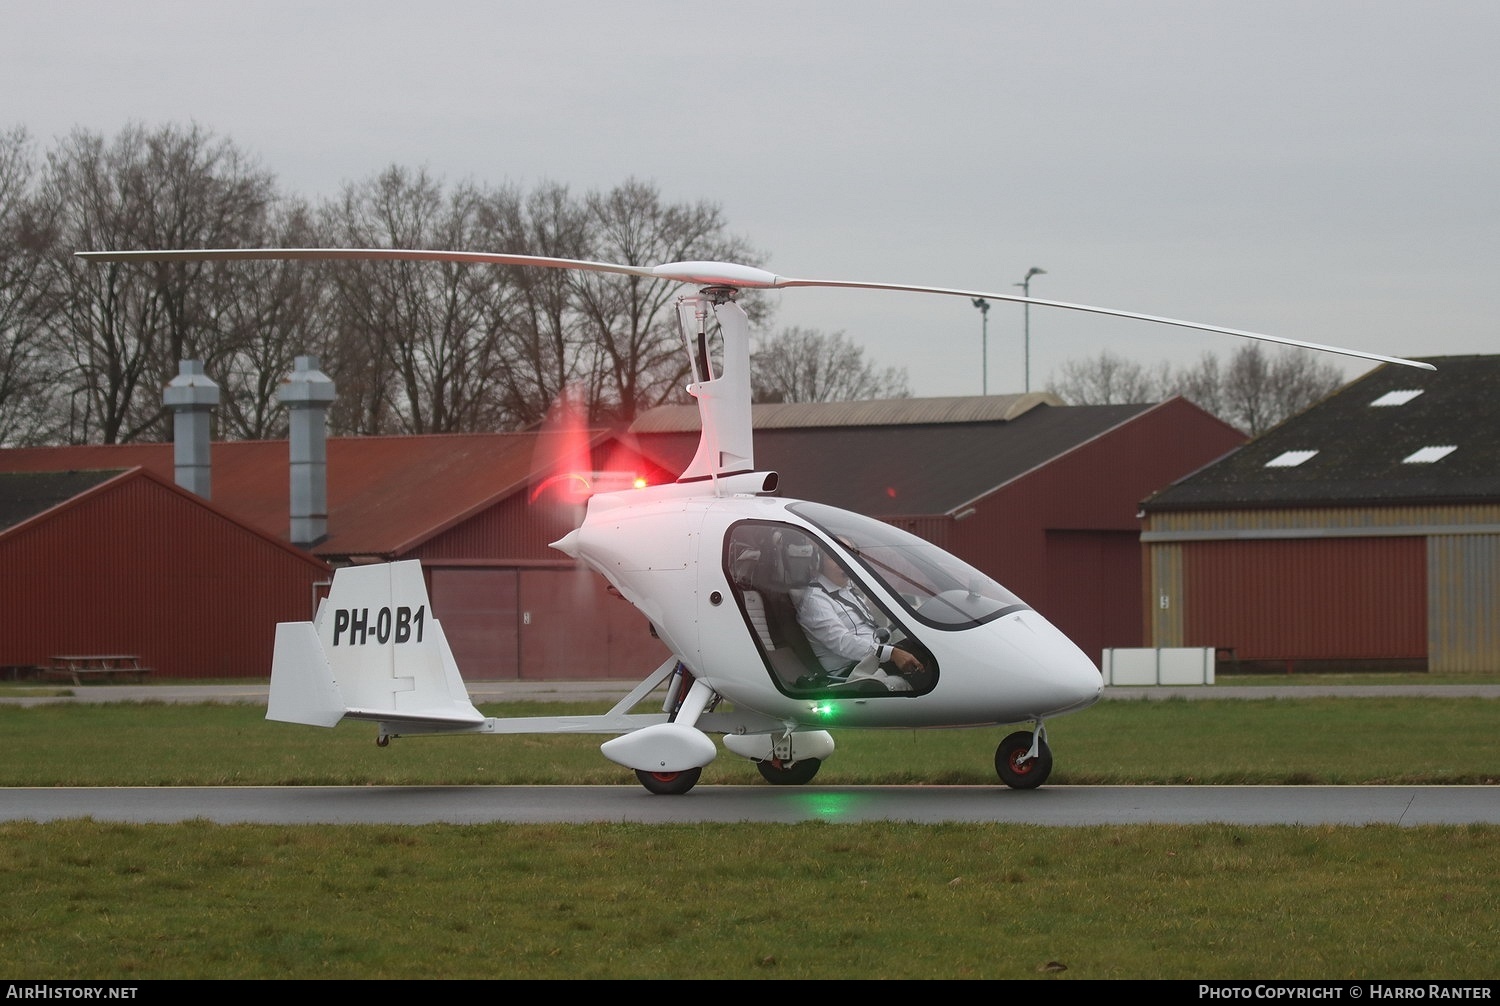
540,624
572,627
1327,599
1094,581
478,611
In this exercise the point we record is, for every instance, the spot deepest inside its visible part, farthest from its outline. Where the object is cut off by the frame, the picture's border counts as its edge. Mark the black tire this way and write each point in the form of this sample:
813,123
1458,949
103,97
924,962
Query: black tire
1022,775
797,773
669,783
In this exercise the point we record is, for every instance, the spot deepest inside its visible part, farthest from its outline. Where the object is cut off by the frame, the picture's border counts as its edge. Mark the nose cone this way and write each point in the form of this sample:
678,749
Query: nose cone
567,544
1055,675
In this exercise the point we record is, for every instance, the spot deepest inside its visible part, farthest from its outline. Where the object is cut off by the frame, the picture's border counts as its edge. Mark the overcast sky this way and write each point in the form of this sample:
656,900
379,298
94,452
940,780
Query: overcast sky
1323,170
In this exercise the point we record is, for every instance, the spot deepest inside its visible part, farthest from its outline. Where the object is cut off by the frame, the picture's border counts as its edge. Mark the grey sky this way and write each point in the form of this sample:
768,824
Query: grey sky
1322,169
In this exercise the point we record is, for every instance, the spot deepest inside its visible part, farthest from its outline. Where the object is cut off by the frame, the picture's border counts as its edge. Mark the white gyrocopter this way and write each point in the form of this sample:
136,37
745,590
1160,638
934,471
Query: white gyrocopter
719,566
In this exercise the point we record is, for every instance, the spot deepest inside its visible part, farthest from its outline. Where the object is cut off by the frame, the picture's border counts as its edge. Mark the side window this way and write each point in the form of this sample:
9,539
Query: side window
826,644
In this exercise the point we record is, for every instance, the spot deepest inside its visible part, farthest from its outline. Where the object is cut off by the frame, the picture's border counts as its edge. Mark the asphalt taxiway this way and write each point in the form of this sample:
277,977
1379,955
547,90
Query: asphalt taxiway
607,690
1050,805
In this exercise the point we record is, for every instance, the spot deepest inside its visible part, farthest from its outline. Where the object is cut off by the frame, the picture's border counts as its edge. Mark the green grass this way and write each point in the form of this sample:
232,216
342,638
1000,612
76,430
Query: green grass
84,899
1356,678
1315,740
88,900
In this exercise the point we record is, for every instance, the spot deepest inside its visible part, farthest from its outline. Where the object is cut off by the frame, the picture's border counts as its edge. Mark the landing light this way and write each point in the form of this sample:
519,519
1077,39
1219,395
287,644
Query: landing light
616,480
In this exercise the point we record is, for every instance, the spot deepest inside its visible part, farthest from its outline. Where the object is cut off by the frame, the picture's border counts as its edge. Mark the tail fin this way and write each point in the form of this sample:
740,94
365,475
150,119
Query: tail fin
373,651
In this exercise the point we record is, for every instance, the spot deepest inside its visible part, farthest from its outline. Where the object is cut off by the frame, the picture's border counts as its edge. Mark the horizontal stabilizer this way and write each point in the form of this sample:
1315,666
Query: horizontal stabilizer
374,651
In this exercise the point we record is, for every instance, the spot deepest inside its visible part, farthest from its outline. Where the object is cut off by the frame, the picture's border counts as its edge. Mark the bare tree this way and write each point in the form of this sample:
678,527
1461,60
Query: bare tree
123,327
806,365
28,392
413,346
269,314
544,349
1260,391
411,349
1203,384
1107,379
1253,392
632,320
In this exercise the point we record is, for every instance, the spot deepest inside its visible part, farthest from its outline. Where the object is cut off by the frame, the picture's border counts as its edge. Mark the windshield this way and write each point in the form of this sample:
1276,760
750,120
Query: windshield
939,589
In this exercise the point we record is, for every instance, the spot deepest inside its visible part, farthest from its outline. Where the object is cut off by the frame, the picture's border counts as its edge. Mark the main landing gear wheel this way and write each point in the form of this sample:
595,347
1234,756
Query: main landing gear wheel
669,783
780,773
1018,774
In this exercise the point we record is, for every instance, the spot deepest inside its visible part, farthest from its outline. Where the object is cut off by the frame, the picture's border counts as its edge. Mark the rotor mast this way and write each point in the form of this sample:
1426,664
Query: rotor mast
725,446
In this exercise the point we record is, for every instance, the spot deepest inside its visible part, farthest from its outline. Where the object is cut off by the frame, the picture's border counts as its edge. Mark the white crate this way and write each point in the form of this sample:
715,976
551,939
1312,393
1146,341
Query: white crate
1177,665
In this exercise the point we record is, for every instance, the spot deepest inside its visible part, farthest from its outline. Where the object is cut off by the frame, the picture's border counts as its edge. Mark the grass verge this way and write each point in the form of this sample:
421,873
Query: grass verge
87,900
1273,741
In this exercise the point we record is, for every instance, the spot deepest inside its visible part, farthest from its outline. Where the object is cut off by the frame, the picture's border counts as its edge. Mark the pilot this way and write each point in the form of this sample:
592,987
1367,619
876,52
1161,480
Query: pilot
843,633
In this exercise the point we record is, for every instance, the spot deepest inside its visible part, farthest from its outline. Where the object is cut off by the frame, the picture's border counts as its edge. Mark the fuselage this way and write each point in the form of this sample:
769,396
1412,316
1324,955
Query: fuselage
720,578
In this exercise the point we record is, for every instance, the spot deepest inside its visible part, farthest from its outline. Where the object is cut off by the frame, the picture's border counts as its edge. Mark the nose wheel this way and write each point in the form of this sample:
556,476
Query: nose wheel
1023,760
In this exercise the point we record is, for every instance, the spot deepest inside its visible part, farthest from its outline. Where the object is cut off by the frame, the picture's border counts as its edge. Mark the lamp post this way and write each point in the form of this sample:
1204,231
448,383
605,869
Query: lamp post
984,330
1025,286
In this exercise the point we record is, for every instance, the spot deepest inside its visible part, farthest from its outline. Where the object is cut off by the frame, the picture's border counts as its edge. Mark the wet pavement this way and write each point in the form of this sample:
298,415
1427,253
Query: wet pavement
609,690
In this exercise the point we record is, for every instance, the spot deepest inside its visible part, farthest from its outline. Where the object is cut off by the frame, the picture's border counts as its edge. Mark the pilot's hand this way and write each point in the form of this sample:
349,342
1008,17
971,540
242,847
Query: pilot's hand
904,660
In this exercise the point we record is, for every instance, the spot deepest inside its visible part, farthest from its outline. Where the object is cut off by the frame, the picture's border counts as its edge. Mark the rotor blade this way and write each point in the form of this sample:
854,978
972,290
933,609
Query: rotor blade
846,284
361,254
726,274
696,273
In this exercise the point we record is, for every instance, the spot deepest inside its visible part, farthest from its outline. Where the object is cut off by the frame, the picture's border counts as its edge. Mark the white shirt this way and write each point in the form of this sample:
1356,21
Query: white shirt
839,626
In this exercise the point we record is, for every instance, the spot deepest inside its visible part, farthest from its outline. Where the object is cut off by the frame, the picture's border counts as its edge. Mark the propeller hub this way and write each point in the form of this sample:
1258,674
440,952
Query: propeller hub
716,274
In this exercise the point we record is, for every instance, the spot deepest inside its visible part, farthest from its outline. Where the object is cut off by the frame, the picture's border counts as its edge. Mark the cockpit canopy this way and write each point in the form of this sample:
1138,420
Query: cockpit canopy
859,640
935,588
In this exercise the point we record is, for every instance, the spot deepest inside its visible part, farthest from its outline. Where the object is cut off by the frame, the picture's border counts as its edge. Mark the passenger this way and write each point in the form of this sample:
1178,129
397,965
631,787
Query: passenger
844,634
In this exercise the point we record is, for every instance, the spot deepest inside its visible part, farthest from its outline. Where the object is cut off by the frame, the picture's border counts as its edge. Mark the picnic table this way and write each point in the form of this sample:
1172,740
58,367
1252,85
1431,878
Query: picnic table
97,666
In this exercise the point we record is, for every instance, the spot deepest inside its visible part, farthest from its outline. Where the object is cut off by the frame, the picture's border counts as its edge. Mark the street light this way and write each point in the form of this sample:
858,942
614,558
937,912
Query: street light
984,329
1025,286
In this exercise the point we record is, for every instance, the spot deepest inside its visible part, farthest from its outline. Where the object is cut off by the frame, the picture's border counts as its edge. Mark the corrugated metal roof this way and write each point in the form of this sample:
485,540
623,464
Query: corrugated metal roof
385,494
880,412
910,470
23,495
1352,448
83,486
